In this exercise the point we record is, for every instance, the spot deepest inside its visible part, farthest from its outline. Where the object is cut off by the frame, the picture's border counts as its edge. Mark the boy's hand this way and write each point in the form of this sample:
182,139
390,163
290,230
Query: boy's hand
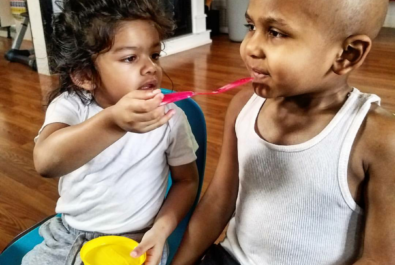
153,244
139,111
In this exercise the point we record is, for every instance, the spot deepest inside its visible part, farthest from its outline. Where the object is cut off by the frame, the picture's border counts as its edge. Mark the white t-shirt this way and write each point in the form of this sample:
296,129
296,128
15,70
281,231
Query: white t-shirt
121,189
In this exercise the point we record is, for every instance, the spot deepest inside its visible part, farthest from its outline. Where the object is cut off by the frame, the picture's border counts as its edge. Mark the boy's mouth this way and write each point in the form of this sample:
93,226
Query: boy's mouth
259,73
150,84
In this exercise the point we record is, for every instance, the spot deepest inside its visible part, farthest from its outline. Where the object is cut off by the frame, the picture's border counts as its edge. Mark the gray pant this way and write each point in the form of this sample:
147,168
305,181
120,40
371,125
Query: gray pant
62,244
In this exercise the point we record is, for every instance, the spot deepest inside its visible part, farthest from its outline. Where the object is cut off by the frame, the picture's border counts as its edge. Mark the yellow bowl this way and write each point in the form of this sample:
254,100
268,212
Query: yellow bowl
110,250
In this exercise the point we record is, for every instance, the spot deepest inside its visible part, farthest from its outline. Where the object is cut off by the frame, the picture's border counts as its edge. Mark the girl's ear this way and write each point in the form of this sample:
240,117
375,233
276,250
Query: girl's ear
82,82
355,50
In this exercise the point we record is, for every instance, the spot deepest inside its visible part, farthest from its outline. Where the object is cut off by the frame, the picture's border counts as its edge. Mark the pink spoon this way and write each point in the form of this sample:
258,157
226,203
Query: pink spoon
173,97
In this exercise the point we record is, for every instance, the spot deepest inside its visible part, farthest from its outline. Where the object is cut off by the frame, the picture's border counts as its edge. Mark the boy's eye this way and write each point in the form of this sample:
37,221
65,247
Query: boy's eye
250,27
275,34
155,56
130,59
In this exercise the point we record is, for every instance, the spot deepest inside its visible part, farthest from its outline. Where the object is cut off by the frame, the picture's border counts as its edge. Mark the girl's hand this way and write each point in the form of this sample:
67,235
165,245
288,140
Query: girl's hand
140,111
153,244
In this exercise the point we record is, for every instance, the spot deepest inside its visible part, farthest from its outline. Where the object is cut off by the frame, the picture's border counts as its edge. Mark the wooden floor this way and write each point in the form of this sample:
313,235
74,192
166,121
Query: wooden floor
26,198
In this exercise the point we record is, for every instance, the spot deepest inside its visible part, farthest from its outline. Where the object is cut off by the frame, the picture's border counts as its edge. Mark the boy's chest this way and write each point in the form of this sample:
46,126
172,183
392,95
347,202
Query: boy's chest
290,128
294,129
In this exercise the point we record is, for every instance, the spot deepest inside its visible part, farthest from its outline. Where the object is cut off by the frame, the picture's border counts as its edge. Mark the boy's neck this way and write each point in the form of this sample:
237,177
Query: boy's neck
294,120
325,100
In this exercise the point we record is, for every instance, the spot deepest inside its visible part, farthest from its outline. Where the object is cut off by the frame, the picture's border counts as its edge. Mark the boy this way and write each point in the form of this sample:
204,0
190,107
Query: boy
306,174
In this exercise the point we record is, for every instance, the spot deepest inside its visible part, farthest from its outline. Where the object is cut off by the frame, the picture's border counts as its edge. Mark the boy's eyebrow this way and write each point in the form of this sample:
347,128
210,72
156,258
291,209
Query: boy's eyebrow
270,20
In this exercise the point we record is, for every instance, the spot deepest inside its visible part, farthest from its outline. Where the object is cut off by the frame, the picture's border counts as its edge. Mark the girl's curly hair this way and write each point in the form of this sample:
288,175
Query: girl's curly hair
86,28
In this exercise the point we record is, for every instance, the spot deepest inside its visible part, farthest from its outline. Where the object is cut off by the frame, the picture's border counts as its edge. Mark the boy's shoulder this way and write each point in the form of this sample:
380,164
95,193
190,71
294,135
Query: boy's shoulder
377,135
380,124
238,102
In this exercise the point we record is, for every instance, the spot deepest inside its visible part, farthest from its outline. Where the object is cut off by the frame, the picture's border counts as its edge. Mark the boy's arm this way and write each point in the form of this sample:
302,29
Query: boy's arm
61,148
379,241
181,196
218,203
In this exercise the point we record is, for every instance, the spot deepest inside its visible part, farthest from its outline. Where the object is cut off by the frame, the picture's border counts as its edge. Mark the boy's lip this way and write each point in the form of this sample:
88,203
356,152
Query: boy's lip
259,73
149,84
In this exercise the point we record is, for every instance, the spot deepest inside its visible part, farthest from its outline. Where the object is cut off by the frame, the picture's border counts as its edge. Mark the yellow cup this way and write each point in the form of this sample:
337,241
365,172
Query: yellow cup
110,250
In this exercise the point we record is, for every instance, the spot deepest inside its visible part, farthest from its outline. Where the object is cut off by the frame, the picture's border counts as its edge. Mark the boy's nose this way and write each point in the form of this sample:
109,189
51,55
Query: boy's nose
254,46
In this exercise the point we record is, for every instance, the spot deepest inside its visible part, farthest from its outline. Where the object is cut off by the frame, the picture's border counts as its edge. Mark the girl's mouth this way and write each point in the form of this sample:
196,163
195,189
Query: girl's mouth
151,84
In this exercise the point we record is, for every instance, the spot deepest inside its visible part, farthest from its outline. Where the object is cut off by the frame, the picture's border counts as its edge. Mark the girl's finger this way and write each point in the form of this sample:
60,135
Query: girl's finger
144,94
149,126
144,106
142,248
153,257
151,117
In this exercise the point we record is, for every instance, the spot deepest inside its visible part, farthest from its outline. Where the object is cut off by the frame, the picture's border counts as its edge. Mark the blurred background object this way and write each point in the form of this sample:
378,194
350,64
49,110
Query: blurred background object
236,10
16,54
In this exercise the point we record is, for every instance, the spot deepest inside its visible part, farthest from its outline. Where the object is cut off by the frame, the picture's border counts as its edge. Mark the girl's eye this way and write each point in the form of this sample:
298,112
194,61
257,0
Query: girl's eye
155,56
275,34
250,27
130,59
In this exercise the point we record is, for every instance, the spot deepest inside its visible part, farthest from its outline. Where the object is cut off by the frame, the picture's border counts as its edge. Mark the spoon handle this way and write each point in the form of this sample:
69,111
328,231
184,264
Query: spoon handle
173,97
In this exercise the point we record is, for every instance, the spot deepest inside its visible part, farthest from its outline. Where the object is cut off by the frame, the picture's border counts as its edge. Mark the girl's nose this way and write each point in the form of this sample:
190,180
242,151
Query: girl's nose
149,67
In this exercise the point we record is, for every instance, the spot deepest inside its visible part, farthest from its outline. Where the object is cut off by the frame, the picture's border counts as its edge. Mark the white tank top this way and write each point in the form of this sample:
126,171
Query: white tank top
294,205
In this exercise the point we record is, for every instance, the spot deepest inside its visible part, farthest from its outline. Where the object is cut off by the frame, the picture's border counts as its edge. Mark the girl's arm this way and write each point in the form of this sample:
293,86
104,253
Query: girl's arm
177,204
61,148
218,204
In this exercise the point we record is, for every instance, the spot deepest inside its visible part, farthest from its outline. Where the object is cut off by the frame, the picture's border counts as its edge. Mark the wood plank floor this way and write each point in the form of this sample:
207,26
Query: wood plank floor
26,198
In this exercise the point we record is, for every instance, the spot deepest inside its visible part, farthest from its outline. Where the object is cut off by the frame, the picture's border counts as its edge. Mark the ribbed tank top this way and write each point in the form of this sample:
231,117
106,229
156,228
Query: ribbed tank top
294,205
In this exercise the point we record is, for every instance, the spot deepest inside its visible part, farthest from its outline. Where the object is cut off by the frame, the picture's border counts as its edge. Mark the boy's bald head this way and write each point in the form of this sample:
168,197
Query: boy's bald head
349,17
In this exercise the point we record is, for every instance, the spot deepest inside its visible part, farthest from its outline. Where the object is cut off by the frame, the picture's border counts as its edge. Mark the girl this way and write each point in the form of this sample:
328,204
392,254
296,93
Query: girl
107,137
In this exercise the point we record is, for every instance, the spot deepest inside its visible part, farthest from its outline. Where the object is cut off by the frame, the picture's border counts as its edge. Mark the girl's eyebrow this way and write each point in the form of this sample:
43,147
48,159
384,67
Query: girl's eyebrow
122,48
158,44
125,48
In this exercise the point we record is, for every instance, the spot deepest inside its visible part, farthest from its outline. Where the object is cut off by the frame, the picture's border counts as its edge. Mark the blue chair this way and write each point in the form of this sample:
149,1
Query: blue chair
23,243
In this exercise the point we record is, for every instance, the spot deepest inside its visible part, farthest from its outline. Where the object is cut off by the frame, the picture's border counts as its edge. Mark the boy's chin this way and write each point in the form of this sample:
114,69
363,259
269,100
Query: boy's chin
263,91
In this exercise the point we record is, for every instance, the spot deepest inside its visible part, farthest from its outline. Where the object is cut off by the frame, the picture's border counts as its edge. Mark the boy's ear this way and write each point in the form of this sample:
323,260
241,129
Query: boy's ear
355,50
82,82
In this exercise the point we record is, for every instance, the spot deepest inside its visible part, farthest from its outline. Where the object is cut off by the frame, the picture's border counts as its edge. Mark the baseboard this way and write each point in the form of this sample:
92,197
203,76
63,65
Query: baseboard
186,42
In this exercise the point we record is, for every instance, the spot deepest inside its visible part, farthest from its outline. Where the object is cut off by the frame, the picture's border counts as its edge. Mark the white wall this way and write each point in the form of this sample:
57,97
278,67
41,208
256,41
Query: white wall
7,19
390,19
